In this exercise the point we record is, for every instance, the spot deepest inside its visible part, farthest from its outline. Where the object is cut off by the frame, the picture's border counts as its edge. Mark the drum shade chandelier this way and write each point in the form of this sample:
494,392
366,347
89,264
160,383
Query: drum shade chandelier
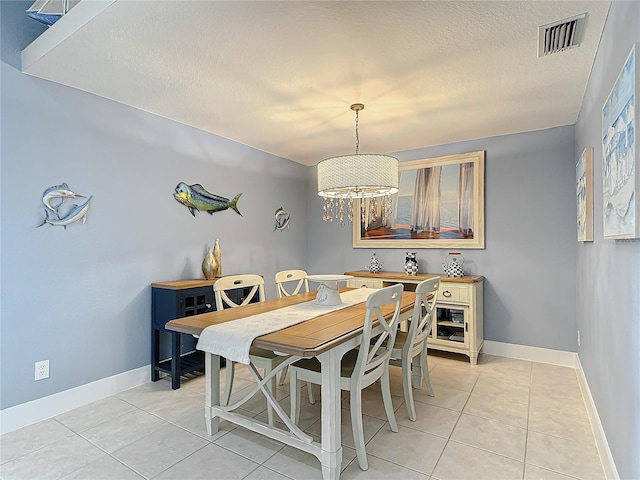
362,176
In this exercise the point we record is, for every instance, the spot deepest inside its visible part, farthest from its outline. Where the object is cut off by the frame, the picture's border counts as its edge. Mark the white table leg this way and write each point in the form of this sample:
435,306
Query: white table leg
211,390
331,457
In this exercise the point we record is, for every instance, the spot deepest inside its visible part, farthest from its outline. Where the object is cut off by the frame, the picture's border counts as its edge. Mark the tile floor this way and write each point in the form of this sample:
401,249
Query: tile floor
501,419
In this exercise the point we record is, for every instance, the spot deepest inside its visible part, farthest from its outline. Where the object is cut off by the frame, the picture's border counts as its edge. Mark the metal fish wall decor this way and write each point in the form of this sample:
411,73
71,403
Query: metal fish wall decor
53,198
195,197
282,219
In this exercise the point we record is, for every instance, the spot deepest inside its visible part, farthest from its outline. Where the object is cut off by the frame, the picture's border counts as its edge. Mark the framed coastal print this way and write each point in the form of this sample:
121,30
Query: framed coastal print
584,195
440,204
620,180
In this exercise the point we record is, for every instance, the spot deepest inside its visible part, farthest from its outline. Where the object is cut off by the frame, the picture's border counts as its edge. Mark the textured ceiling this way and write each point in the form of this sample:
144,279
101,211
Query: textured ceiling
280,76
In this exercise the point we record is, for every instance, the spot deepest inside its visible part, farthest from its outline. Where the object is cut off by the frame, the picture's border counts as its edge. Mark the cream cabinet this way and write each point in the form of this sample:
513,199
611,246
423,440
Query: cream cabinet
458,321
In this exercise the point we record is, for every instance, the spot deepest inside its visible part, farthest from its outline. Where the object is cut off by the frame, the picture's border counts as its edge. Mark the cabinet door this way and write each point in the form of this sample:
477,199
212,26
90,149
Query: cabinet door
451,326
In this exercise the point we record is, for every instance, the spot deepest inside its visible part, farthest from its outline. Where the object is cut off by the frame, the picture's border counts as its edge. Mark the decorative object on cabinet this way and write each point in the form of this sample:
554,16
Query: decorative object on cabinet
620,150
50,11
346,178
195,197
282,219
440,205
374,265
210,265
451,266
217,252
584,195
411,263
458,297
328,292
52,210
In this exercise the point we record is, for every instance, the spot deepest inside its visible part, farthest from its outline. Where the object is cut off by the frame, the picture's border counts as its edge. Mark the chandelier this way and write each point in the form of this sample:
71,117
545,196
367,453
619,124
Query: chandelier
362,176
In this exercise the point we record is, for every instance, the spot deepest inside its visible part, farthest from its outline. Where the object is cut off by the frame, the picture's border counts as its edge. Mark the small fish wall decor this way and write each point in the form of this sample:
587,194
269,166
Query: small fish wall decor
195,197
53,198
282,219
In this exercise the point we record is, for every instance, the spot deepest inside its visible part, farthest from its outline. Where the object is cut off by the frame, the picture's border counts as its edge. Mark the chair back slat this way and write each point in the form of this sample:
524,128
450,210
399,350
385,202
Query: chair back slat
374,356
288,276
423,312
232,282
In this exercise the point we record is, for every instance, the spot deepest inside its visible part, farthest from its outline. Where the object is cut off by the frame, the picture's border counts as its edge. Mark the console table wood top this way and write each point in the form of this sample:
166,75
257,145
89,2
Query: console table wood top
417,278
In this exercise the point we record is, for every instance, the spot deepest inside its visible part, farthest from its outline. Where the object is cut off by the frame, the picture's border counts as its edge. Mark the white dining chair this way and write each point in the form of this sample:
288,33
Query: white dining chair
360,367
285,285
264,359
413,342
286,288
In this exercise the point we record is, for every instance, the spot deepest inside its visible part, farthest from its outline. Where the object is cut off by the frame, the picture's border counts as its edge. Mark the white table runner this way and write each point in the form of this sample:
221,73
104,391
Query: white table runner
233,339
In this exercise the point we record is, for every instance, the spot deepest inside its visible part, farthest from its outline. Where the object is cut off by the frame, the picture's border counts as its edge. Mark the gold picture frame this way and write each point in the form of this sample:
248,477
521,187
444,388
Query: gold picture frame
440,205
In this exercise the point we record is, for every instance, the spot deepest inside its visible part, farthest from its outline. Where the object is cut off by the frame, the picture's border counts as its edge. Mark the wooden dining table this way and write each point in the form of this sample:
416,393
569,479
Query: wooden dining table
327,337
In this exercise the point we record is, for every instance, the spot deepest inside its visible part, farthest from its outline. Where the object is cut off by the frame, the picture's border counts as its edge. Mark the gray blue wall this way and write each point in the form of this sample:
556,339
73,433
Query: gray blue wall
80,297
608,271
529,259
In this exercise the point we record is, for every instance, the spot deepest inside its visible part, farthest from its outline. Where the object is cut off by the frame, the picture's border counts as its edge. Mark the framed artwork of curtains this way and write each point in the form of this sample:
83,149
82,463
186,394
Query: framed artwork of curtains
440,205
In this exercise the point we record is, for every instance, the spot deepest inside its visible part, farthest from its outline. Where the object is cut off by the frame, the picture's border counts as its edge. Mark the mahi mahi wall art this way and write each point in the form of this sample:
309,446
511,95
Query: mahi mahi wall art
620,181
195,197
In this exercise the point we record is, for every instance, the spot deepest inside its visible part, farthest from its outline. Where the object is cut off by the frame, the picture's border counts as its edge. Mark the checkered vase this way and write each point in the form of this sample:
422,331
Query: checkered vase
411,264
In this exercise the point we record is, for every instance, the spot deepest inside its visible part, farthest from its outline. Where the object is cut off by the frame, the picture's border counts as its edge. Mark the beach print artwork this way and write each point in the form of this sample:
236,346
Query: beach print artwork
57,212
619,150
196,198
584,195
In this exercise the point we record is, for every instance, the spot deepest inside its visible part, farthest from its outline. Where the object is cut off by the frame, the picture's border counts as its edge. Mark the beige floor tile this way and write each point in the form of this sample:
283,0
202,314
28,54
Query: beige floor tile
561,424
563,456
105,468
462,462
52,461
430,419
29,439
380,470
296,464
194,422
461,378
508,388
393,447
568,403
150,455
114,434
264,473
95,413
496,437
531,472
444,397
494,362
497,408
210,462
509,376
251,445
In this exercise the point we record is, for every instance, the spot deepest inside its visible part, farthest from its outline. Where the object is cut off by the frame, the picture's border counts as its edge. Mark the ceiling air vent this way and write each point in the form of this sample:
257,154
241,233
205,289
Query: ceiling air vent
558,36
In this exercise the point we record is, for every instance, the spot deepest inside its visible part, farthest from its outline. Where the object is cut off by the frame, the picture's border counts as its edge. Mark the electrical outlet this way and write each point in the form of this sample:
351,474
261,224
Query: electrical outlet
578,337
42,370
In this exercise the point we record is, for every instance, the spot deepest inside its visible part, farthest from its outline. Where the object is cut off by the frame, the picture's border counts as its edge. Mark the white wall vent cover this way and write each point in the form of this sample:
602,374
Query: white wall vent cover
558,36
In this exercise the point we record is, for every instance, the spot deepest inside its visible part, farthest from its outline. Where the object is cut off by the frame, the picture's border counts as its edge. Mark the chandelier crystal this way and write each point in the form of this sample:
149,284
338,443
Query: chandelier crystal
362,176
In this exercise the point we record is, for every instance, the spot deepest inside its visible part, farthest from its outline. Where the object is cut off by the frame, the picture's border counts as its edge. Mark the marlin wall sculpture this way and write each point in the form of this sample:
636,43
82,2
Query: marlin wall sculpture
52,210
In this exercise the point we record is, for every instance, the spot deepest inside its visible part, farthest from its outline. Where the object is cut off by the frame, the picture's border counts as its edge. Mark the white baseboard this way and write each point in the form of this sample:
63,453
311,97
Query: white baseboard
608,465
37,410
534,354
